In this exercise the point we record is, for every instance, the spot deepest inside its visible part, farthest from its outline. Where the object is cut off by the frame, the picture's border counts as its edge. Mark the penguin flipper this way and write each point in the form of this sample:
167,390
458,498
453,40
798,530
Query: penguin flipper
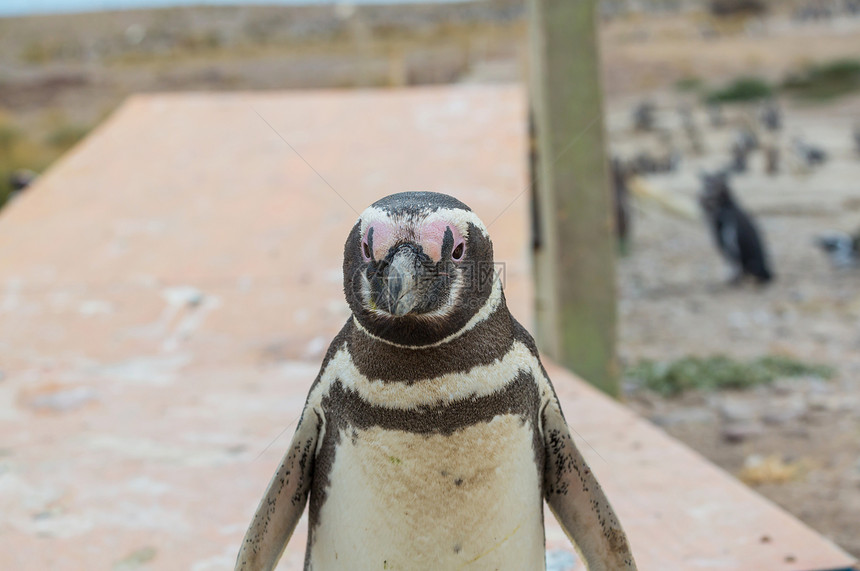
577,500
282,505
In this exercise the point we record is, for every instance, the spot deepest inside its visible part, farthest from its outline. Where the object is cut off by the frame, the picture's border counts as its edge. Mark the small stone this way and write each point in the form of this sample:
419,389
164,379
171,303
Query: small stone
797,431
784,410
818,385
693,415
835,402
734,409
785,386
824,402
737,432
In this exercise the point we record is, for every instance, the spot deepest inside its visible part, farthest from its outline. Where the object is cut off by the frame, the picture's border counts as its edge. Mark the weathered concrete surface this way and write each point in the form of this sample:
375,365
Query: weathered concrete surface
167,292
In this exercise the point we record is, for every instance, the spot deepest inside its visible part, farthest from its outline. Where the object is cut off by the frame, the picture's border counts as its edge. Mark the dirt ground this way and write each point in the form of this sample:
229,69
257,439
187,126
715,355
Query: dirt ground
797,441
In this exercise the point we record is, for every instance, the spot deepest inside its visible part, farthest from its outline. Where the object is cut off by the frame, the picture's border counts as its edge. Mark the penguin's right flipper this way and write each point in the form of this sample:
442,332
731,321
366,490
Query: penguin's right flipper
577,500
284,501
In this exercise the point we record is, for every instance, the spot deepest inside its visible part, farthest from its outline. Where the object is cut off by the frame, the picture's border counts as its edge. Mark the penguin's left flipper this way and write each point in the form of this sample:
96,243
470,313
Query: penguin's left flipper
282,506
577,500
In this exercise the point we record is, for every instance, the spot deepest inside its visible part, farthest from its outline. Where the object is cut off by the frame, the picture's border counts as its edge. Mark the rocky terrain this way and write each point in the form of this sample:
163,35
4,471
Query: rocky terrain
797,441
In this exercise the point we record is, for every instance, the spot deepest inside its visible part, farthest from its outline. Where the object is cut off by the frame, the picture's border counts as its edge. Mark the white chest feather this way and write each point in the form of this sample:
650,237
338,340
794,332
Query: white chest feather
400,500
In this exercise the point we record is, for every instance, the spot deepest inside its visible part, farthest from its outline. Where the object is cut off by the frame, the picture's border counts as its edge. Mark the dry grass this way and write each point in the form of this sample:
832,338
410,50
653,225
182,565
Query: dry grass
773,469
24,148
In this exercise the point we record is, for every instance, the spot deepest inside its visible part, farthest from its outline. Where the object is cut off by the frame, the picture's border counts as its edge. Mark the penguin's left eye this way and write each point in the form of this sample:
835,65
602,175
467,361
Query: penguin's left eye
457,254
365,249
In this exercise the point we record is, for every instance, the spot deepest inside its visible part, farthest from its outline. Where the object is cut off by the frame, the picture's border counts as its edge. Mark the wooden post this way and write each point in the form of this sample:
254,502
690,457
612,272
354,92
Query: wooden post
574,259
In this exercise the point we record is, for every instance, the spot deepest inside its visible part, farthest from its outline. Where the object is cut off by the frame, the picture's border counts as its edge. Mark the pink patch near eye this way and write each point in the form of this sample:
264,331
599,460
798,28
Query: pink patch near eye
383,235
432,236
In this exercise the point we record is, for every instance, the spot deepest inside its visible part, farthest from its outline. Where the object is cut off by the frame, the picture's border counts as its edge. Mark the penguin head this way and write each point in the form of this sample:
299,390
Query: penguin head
417,266
716,193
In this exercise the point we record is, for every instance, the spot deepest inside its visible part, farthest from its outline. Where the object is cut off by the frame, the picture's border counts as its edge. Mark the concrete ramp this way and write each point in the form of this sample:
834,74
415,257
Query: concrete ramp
167,292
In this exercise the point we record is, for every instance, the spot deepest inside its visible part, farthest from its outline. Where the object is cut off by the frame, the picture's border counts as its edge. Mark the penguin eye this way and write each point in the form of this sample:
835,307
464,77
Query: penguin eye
457,254
365,249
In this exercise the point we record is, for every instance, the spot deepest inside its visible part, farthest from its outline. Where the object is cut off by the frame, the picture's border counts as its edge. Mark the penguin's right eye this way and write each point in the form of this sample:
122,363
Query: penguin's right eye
457,254
365,249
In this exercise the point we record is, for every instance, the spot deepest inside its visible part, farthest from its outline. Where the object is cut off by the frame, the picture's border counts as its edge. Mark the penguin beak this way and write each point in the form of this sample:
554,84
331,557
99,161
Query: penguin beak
400,293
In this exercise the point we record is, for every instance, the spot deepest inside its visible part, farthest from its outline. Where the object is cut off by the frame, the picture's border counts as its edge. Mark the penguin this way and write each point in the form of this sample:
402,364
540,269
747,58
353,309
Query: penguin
621,194
19,180
739,157
694,135
735,232
809,155
771,159
715,115
842,248
644,116
432,435
747,139
771,116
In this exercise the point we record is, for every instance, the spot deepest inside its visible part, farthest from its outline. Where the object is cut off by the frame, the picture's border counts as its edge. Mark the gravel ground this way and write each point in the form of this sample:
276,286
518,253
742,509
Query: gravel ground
796,441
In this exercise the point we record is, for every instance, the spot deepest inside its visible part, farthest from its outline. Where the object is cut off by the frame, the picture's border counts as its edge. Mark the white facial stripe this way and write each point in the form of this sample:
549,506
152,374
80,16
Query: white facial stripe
486,310
365,291
479,381
459,218
373,215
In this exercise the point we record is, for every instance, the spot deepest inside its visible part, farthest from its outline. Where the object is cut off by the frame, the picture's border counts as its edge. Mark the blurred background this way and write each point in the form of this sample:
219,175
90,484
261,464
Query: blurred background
754,100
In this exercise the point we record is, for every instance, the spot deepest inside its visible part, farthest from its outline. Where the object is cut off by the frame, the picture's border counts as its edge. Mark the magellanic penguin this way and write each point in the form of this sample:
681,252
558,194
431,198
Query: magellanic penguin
734,230
432,434
842,248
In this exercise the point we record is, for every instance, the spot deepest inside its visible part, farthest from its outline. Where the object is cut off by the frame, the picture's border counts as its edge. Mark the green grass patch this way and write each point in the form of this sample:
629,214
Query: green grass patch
824,81
740,90
719,372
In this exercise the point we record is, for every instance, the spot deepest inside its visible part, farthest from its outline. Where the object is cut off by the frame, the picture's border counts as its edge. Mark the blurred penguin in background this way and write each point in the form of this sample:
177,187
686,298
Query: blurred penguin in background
771,116
747,139
643,116
621,194
739,157
734,230
771,159
808,154
715,115
19,180
694,135
842,248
